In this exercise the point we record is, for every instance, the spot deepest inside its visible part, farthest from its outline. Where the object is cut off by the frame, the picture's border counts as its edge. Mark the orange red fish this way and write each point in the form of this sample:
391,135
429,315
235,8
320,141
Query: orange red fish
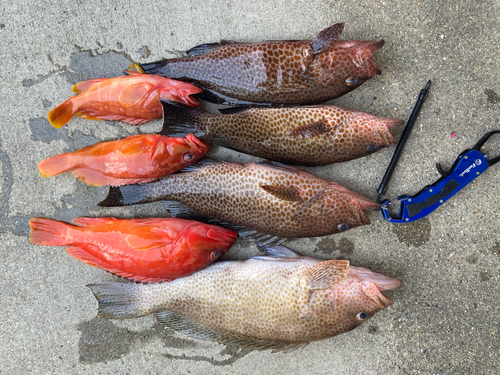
139,158
146,250
134,99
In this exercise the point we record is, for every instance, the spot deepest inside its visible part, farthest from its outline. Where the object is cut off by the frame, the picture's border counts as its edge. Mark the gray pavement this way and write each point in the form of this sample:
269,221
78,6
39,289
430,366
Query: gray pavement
445,319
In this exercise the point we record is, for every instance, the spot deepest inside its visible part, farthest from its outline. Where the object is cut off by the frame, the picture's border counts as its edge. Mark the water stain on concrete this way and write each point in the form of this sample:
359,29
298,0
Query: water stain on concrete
373,329
41,130
144,52
85,65
328,245
492,96
472,259
414,234
102,341
46,103
495,249
233,352
6,189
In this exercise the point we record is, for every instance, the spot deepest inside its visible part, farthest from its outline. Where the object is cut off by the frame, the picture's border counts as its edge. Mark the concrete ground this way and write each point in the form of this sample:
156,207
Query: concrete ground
445,319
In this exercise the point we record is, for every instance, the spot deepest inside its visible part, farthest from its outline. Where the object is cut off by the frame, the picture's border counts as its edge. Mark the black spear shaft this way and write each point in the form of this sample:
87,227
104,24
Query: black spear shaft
402,141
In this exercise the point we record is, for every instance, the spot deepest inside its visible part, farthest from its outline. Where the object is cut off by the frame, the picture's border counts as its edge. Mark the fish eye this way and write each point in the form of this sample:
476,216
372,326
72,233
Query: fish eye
214,254
371,148
351,81
342,227
187,156
361,316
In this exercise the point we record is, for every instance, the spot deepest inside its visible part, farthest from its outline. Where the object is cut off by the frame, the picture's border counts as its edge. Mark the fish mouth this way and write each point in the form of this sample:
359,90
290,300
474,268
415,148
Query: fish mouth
189,100
364,59
197,143
374,284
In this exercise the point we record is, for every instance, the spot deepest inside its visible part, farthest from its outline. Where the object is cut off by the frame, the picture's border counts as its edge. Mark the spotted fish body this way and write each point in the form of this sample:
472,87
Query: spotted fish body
291,72
308,135
276,200
276,302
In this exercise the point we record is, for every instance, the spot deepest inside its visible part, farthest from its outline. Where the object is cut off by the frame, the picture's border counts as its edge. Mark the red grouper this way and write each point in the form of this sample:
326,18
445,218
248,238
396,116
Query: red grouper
281,301
146,250
134,99
139,158
276,200
306,135
279,72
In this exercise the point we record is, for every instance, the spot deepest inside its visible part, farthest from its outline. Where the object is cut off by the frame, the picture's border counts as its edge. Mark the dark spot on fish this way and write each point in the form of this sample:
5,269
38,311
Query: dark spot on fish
495,249
327,245
234,353
28,82
373,329
472,259
492,96
85,65
485,276
102,341
413,234
46,103
144,52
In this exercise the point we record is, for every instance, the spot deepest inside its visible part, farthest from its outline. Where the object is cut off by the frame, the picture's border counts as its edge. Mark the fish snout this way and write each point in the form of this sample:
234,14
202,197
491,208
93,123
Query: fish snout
191,138
373,284
222,235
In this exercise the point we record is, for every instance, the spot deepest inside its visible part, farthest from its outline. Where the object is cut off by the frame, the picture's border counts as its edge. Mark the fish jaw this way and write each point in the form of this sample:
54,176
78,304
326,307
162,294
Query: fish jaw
363,58
197,144
180,92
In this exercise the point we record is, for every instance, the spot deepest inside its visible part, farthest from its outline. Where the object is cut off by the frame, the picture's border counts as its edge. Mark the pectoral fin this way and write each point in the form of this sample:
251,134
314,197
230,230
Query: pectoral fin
309,130
291,194
326,37
324,275
148,238
133,94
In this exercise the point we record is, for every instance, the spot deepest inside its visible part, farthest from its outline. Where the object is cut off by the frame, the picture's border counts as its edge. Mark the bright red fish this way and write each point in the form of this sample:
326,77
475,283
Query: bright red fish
139,158
146,250
134,99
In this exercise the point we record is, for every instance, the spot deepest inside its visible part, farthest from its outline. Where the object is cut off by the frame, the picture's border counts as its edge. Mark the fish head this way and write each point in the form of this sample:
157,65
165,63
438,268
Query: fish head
361,134
352,60
338,209
205,242
359,296
180,92
185,151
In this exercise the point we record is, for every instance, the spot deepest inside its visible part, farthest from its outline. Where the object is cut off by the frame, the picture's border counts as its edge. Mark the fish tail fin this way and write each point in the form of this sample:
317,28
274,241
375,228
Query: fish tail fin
120,300
61,114
56,165
126,195
48,232
180,120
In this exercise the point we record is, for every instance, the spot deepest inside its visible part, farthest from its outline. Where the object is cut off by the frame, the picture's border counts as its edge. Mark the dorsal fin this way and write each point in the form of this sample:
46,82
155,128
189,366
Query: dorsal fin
202,332
309,130
233,110
204,48
326,37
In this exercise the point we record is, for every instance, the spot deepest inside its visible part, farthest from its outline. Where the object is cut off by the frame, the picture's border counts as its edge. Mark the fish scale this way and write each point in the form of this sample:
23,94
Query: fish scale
286,72
279,302
280,201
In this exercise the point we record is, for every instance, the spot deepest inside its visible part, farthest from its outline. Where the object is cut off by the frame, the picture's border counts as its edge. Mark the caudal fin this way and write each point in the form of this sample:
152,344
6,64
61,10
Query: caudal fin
48,232
60,115
56,165
120,300
180,120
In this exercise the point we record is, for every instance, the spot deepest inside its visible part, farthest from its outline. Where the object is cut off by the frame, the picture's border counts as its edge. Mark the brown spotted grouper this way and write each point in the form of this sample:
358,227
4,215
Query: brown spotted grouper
281,302
286,72
308,135
276,200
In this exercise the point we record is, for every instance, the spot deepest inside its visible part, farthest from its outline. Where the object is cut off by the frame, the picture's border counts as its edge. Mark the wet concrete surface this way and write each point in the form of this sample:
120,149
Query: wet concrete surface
445,318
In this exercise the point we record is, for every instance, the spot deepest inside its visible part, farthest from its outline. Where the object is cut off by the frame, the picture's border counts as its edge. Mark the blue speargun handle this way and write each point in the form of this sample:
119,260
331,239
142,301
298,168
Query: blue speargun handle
468,166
